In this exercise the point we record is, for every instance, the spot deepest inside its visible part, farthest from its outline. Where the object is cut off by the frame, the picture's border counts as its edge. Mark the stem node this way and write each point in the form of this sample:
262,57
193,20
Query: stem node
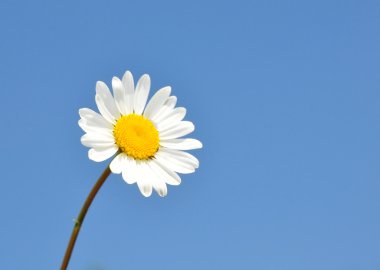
79,220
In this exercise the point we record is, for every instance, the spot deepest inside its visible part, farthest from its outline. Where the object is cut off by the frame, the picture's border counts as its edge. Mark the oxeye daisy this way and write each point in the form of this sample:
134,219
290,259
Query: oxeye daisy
144,138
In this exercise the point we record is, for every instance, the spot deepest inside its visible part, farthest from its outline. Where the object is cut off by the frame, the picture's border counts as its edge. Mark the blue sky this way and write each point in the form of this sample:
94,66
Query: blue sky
285,96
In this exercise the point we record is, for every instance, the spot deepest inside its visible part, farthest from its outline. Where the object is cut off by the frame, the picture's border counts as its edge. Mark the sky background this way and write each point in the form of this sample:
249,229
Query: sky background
285,96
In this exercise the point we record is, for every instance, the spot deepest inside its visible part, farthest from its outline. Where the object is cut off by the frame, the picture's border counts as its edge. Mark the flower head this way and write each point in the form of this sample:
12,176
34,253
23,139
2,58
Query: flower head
144,139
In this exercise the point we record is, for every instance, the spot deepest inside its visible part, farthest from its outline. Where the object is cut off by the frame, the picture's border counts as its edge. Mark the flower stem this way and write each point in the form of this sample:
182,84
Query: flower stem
81,216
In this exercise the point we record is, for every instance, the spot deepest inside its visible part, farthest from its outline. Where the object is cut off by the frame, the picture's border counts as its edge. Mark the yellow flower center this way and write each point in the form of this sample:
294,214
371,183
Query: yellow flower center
136,136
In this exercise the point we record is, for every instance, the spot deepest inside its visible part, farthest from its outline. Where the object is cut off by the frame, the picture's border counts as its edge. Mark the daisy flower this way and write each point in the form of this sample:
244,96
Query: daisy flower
143,138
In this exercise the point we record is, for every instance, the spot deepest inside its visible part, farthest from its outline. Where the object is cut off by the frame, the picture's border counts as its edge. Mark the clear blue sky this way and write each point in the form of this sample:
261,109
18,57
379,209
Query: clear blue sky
285,96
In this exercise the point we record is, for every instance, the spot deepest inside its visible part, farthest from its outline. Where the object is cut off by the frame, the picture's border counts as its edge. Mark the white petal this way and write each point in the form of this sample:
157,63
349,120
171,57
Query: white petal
168,175
141,94
180,155
119,94
117,164
107,99
181,129
143,181
107,137
145,187
103,110
101,154
129,87
129,170
157,180
160,187
171,102
157,101
96,140
93,128
171,119
177,165
93,118
181,144
90,115
165,109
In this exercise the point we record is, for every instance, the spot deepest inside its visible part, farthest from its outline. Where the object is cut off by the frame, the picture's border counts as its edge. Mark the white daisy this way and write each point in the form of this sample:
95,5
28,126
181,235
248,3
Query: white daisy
143,139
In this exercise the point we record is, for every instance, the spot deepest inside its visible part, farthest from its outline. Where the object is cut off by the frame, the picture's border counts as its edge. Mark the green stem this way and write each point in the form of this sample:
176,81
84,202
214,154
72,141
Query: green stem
81,216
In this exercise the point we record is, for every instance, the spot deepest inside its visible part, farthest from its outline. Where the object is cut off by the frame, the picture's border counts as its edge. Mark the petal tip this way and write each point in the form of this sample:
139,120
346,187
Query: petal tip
200,145
99,84
162,194
81,111
115,79
146,194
